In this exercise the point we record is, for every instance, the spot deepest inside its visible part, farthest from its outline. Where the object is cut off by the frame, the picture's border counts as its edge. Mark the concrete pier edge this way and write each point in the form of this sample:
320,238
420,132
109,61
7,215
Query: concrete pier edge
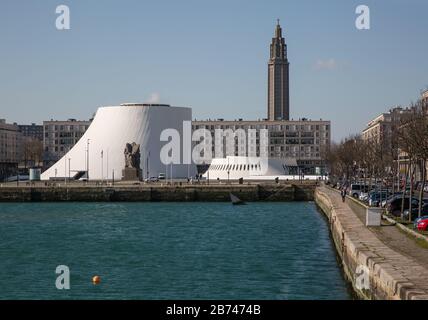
389,271
168,193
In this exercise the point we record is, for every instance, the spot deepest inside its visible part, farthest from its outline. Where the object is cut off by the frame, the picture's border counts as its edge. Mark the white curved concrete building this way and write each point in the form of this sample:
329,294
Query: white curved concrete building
254,168
112,128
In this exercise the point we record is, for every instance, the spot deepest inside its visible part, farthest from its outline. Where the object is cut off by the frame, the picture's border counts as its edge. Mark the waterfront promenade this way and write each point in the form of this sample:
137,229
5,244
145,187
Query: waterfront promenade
397,265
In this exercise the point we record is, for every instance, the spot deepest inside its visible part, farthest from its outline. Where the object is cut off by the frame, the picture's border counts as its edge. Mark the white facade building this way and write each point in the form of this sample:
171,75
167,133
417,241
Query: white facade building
304,140
252,168
100,151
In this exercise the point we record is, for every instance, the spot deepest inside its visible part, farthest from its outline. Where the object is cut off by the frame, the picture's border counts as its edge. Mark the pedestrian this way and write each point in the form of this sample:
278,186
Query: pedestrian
343,194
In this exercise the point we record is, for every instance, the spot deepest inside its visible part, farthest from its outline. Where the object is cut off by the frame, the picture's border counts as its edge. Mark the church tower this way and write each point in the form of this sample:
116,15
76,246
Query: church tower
278,79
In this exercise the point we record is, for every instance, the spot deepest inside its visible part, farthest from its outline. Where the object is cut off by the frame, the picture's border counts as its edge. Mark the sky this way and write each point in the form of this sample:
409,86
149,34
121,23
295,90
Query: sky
211,56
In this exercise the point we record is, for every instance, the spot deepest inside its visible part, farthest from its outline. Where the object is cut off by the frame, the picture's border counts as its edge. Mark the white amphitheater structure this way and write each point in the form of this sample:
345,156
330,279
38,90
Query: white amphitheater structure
100,151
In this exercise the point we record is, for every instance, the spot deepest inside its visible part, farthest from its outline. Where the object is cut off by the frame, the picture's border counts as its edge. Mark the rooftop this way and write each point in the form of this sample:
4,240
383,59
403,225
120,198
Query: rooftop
144,105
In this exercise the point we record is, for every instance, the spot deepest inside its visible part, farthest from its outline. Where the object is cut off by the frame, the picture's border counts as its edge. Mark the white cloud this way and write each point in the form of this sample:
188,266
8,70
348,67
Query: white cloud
154,98
329,64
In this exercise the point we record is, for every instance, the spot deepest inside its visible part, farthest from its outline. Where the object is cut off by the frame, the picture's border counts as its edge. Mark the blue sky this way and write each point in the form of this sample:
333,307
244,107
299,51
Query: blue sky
212,56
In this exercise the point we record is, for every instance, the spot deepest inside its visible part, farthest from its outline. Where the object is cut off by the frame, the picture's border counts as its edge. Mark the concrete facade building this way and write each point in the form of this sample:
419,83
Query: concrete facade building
32,131
59,137
278,79
10,141
381,128
303,140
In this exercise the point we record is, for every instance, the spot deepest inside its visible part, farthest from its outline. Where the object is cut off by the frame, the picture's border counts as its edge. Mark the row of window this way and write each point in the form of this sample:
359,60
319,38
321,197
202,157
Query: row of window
64,135
269,127
68,142
236,167
294,155
66,128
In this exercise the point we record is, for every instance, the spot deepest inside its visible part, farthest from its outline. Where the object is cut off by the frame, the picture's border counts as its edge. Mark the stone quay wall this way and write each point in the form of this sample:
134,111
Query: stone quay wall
390,275
214,193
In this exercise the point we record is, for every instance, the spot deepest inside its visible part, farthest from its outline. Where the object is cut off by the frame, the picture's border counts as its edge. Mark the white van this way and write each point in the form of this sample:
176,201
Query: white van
356,189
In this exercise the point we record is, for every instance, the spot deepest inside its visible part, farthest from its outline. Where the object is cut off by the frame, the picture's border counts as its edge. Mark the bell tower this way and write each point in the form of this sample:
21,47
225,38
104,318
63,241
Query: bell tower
278,78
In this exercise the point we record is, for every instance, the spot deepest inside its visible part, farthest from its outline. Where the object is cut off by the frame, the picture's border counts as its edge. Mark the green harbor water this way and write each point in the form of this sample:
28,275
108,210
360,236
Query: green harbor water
168,251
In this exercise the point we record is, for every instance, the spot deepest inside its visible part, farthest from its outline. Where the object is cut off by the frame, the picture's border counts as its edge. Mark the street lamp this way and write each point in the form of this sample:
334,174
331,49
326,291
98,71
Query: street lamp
147,165
228,171
107,166
65,170
87,159
102,166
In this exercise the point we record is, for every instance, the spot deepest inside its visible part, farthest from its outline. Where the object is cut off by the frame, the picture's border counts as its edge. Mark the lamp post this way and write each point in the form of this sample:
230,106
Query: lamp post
87,159
69,169
107,165
228,171
147,165
102,166
65,171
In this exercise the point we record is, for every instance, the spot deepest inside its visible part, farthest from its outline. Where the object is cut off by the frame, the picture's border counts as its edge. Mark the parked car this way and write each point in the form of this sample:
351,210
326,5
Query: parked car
415,212
161,176
393,206
376,197
423,224
356,189
390,198
415,223
364,196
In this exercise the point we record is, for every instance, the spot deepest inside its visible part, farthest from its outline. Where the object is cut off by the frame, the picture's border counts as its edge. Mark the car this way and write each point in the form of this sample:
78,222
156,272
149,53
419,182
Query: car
357,188
423,224
391,197
393,206
161,176
415,223
415,212
152,179
375,198
364,196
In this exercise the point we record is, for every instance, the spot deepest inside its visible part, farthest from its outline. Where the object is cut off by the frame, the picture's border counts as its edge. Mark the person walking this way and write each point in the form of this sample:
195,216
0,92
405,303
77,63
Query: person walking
343,194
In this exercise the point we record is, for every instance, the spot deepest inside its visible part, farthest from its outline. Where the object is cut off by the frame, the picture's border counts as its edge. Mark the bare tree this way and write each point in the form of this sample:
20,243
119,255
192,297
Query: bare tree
32,151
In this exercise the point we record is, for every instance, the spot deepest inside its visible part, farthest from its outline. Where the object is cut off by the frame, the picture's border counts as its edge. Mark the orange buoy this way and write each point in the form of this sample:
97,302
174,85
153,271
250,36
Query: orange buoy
96,280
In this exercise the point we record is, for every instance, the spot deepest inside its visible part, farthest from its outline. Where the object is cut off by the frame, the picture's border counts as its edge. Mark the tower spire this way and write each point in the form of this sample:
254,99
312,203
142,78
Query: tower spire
278,78
278,30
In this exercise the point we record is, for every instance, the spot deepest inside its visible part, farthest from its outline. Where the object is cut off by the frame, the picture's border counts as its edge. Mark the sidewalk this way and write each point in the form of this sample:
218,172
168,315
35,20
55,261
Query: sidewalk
397,254
396,239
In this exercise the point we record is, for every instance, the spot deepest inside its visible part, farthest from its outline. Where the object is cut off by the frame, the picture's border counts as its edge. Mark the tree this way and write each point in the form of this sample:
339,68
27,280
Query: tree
32,151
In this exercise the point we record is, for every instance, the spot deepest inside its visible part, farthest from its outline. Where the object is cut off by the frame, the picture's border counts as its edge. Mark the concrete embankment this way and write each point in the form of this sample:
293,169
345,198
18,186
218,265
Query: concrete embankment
251,192
365,258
